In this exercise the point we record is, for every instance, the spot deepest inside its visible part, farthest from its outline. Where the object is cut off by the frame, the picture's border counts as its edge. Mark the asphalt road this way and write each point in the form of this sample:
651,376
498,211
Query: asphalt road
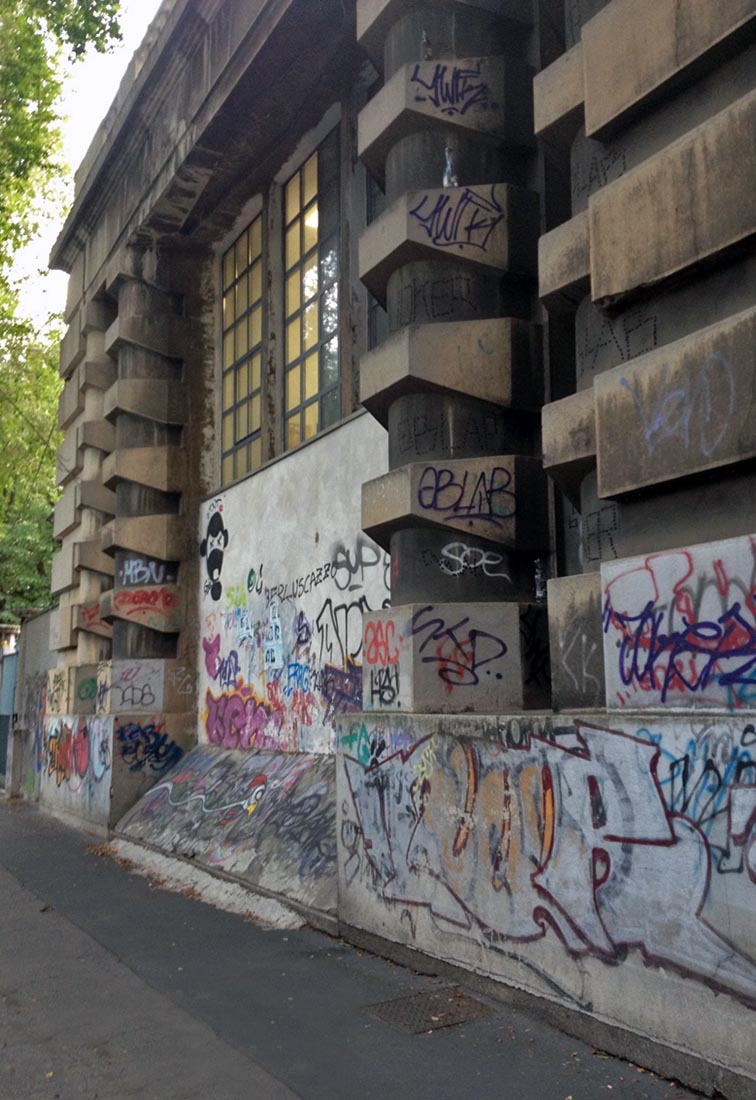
111,988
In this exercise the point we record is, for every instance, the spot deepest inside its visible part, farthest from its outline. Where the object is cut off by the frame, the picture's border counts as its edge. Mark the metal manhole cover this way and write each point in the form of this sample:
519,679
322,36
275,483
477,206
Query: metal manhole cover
431,1011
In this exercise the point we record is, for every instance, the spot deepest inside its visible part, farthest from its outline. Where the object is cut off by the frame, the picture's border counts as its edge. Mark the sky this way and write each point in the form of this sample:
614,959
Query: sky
88,92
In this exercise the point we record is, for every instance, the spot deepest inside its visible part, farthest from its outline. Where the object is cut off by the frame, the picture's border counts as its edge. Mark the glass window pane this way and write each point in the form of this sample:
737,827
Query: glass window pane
311,326
310,279
311,375
292,198
228,268
241,254
228,349
255,239
255,327
228,390
311,420
254,414
242,347
242,296
242,422
228,432
228,469
330,408
228,309
310,179
329,262
255,370
255,453
292,431
292,245
242,381
293,389
330,309
255,283
330,363
293,340
240,463
293,297
310,229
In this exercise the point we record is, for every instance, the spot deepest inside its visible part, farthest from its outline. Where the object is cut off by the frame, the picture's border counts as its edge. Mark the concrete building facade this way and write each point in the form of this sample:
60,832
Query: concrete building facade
408,527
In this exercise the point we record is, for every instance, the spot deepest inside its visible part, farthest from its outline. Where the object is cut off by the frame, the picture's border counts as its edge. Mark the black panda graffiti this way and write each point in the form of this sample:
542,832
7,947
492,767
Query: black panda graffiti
211,549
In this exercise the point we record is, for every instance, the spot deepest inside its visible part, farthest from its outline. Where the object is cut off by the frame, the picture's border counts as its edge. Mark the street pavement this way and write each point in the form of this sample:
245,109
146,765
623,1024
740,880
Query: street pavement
111,987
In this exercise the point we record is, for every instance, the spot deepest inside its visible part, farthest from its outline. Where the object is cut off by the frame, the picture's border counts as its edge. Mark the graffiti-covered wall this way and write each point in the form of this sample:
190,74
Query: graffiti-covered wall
608,865
287,576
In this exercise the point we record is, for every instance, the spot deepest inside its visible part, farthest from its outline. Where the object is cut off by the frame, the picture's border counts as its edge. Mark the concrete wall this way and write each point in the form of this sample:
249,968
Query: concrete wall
287,576
24,766
267,818
607,865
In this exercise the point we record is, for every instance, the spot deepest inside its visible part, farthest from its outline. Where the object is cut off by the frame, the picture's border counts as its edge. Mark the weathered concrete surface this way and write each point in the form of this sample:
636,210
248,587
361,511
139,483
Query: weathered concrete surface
493,226
576,642
633,50
149,980
569,439
568,858
711,169
680,628
496,360
286,577
559,92
682,409
268,819
564,262
446,657
501,498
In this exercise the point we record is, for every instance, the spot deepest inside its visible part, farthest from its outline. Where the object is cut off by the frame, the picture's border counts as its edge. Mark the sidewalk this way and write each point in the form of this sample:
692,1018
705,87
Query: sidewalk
111,988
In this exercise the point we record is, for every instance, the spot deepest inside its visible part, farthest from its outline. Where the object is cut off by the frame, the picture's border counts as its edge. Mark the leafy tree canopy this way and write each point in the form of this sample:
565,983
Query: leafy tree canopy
38,40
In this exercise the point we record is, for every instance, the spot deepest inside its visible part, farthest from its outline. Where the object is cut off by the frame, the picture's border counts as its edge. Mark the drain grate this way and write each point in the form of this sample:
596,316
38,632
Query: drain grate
431,1011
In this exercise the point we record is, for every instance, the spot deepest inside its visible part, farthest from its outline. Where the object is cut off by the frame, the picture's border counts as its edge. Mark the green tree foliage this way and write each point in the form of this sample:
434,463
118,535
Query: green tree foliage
38,40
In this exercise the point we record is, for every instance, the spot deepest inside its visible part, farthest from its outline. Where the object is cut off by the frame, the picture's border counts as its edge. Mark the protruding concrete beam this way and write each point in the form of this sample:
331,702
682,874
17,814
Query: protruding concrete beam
492,226
501,498
73,348
159,607
68,463
88,617
163,537
564,263
150,398
97,374
452,658
569,440
162,468
491,96
82,494
559,95
70,402
96,433
496,360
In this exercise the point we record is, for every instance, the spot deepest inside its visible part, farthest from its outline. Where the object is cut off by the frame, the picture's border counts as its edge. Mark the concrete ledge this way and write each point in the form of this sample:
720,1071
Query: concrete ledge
569,439
491,226
165,537
501,498
564,263
159,607
99,434
496,360
162,468
151,398
559,94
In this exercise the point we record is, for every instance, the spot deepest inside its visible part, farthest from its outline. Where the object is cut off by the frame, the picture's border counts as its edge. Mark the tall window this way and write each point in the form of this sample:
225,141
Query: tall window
242,354
312,394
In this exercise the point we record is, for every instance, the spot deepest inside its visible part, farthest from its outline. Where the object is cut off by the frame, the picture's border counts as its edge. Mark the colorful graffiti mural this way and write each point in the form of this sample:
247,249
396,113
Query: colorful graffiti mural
281,647
76,764
269,818
615,841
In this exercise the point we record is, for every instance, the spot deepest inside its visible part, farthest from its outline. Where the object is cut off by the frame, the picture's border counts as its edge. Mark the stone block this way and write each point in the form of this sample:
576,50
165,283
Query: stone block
428,563
501,498
156,606
576,642
84,689
99,434
62,572
374,17
491,96
713,168
569,440
98,374
73,348
564,263
680,628
559,93
65,515
88,617
88,555
681,409
61,628
634,51
161,468
58,696
160,536
70,402
447,658
67,464
492,226
496,360
150,398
